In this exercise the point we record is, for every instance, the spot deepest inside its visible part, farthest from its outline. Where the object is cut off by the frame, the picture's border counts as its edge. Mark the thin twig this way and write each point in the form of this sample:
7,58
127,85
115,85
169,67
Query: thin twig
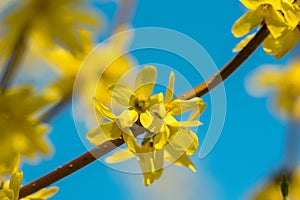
229,68
12,65
108,146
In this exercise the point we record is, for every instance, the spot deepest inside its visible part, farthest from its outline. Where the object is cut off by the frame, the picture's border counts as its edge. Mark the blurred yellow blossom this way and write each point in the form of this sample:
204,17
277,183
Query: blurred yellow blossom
166,139
10,190
285,84
21,133
48,22
272,190
281,18
103,66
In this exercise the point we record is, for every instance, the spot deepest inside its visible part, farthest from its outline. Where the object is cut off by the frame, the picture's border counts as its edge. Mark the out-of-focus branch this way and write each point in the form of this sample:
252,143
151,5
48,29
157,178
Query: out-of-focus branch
12,64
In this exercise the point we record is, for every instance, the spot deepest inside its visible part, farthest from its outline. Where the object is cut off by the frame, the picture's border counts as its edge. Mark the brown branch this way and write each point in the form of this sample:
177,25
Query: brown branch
108,146
229,68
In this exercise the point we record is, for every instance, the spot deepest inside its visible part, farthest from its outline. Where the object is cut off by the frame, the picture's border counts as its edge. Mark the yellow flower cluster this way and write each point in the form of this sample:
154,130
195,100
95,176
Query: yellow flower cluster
165,138
272,190
285,84
48,22
21,133
281,18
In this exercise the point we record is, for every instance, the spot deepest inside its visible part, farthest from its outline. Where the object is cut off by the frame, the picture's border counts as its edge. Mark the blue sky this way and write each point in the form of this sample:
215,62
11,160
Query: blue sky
251,145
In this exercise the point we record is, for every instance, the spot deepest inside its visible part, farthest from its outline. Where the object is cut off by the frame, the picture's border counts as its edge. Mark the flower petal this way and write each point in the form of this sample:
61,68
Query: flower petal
246,23
158,114
103,110
178,158
15,183
6,194
185,123
156,99
291,13
146,118
170,89
251,4
126,118
182,106
185,140
275,24
130,140
120,94
104,132
119,156
161,138
145,82
243,43
111,130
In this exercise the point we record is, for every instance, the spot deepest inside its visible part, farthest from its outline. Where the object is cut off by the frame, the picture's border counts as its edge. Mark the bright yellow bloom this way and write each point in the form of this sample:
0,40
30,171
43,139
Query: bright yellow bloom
272,191
167,139
281,17
21,133
11,190
260,11
285,84
48,22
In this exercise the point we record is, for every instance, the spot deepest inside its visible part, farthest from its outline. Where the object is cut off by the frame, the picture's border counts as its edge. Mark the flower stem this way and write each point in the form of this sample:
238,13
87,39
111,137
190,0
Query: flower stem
12,65
229,68
108,146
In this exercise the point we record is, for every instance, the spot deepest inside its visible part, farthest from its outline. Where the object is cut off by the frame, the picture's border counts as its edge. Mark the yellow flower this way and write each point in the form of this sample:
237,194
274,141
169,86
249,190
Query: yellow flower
285,84
166,139
283,44
260,11
48,22
281,17
272,191
21,133
118,127
11,190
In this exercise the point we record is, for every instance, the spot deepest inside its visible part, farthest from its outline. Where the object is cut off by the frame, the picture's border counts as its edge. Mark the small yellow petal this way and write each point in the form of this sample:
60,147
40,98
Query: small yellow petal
130,140
170,89
111,130
120,94
127,118
103,110
161,138
119,156
146,119
182,106
179,158
145,82
243,43
246,23
185,140
15,183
